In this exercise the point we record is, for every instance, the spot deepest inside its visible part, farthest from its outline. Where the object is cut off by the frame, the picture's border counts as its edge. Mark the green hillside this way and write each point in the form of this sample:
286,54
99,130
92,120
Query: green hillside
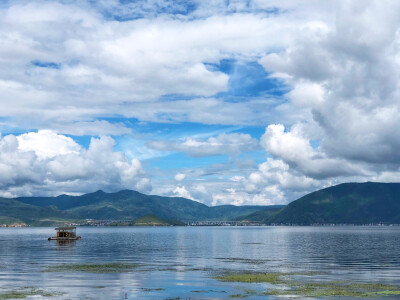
261,216
32,214
130,205
10,221
232,212
123,205
148,220
348,203
152,220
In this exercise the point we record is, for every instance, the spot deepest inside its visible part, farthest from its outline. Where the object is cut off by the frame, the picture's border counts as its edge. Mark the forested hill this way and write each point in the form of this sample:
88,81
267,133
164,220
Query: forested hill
348,203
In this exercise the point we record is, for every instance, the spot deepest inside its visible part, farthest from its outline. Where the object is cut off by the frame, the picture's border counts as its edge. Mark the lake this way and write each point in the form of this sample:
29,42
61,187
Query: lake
183,262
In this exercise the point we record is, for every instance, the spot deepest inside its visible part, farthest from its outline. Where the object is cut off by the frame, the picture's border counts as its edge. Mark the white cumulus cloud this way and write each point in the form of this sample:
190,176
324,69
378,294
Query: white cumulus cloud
181,191
48,163
180,177
231,144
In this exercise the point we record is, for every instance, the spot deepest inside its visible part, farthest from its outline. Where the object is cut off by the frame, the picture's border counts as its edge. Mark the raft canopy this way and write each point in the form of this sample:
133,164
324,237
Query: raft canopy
65,228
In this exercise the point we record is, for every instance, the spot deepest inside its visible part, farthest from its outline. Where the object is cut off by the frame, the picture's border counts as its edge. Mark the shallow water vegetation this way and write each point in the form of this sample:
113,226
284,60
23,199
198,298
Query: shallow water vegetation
22,293
384,293
336,289
248,291
245,293
273,278
239,296
152,289
289,285
94,268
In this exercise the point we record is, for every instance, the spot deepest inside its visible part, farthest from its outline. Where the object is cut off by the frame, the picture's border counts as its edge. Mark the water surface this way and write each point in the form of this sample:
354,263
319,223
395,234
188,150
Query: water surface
182,261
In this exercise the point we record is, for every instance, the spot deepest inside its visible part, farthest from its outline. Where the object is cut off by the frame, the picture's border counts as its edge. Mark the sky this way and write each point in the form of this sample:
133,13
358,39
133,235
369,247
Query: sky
255,102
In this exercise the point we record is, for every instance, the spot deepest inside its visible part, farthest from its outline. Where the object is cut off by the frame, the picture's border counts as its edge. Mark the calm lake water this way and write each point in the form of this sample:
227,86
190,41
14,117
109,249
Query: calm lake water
182,261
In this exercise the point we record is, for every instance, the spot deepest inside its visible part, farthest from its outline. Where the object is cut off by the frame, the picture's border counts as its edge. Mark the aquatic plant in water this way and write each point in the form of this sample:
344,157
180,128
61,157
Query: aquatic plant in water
93,268
22,293
286,285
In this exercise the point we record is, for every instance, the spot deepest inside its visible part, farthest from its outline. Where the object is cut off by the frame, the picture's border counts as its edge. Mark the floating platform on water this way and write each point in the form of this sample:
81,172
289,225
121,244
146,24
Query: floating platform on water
65,234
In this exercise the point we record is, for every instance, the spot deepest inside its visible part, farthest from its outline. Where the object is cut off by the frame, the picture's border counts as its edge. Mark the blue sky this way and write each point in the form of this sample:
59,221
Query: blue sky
223,102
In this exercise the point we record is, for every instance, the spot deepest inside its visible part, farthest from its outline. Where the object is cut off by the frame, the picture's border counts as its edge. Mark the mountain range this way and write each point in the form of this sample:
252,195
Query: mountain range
347,203
122,205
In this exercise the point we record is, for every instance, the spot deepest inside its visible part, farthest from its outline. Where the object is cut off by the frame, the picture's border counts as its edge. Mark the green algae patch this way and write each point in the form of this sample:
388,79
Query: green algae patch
245,292
384,293
94,268
23,293
292,284
273,278
152,290
334,289
248,291
239,296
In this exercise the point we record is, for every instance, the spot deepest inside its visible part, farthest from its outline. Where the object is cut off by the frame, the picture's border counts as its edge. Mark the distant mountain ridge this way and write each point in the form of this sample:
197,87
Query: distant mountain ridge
347,203
122,205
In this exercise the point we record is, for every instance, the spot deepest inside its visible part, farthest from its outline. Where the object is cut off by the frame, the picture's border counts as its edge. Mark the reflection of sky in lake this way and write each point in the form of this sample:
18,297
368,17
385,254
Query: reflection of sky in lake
181,260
